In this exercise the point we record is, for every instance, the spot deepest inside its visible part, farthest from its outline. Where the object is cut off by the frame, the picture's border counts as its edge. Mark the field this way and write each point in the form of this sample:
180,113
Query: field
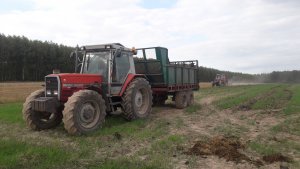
256,126
17,92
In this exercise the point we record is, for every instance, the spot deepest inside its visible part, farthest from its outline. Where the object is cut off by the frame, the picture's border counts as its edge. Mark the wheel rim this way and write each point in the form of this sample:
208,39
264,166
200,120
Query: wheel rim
141,100
138,98
89,114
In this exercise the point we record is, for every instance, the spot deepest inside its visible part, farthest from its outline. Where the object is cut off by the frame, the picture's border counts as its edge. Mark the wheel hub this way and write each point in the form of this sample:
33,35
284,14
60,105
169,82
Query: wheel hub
138,99
87,113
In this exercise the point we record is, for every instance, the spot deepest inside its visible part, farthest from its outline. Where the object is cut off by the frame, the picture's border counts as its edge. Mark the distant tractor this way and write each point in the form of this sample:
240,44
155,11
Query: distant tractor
220,80
111,77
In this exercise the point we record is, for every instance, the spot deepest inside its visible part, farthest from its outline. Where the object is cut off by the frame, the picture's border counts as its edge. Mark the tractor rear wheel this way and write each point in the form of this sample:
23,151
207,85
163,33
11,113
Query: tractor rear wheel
39,120
181,99
84,112
190,95
137,99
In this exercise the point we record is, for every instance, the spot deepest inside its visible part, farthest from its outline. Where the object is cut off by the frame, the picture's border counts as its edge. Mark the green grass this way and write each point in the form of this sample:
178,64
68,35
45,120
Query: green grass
290,125
284,146
246,94
193,108
126,163
118,124
274,99
263,149
11,113
229,129
294,104
16,154
150,142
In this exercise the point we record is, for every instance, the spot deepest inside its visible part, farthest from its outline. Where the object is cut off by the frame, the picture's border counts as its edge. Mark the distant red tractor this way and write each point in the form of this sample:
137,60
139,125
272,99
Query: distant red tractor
110,78
220,80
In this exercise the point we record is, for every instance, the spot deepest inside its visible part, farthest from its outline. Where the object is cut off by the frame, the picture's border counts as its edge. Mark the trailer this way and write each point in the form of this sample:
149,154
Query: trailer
168,78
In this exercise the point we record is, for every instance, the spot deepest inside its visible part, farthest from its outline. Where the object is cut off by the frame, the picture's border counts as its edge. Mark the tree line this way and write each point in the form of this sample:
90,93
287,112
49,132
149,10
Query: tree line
22,59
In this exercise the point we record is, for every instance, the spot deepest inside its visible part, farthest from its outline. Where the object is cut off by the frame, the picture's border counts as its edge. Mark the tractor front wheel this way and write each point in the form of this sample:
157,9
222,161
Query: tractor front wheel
39,120
84,112
137,99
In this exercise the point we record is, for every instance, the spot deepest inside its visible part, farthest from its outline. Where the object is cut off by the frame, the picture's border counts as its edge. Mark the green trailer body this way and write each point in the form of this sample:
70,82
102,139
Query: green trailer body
163,75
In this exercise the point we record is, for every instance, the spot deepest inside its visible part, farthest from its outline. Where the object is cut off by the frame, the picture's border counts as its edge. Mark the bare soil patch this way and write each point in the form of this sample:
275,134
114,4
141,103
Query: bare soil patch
223,147
276,157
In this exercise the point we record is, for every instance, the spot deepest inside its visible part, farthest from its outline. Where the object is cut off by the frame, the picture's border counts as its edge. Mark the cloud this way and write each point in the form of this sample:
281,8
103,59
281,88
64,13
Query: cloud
247,36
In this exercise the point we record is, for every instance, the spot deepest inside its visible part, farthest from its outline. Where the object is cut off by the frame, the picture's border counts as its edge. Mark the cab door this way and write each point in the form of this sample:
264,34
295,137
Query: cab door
121,68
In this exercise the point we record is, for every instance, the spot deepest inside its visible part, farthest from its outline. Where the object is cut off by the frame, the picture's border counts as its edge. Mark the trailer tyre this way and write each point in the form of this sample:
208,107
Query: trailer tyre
137,99
84,112
39,120
190,95
181,99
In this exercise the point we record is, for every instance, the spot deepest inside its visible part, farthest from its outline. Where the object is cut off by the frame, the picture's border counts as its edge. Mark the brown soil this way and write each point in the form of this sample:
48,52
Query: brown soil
276,157
223,147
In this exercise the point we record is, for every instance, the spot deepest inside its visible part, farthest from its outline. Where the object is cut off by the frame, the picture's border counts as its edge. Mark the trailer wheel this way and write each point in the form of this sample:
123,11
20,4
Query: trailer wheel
190,95
84,112
137,99
39,120
181,99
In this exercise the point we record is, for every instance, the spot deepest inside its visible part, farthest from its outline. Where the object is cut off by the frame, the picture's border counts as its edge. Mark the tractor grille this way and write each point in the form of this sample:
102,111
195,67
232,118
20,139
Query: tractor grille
52,87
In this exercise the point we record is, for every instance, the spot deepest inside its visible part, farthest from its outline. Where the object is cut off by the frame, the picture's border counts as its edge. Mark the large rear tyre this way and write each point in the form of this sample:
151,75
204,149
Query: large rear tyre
39,120
181,99
137,99
84,112
190,95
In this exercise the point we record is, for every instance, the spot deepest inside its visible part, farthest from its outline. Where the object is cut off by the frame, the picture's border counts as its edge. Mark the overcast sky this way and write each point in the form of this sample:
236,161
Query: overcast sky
251,36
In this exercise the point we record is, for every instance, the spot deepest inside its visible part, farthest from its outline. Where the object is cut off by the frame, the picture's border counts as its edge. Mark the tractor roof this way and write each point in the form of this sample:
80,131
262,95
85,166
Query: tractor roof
106,46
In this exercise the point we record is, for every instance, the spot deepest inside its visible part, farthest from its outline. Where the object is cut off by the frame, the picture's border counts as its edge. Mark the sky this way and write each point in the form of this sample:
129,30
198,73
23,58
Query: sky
250,36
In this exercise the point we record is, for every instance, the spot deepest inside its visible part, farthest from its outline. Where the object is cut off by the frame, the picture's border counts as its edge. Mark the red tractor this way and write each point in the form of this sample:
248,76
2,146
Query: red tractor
220,80
110,78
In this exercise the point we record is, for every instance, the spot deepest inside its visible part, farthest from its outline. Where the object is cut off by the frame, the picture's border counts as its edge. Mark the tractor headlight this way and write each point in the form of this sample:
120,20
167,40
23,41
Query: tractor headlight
55,92
48,92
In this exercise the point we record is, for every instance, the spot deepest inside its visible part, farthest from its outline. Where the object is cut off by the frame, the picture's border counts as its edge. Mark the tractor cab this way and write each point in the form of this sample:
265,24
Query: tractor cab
113,62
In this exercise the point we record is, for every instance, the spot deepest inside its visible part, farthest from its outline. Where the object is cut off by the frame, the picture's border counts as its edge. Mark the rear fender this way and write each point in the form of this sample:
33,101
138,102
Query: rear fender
129,78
